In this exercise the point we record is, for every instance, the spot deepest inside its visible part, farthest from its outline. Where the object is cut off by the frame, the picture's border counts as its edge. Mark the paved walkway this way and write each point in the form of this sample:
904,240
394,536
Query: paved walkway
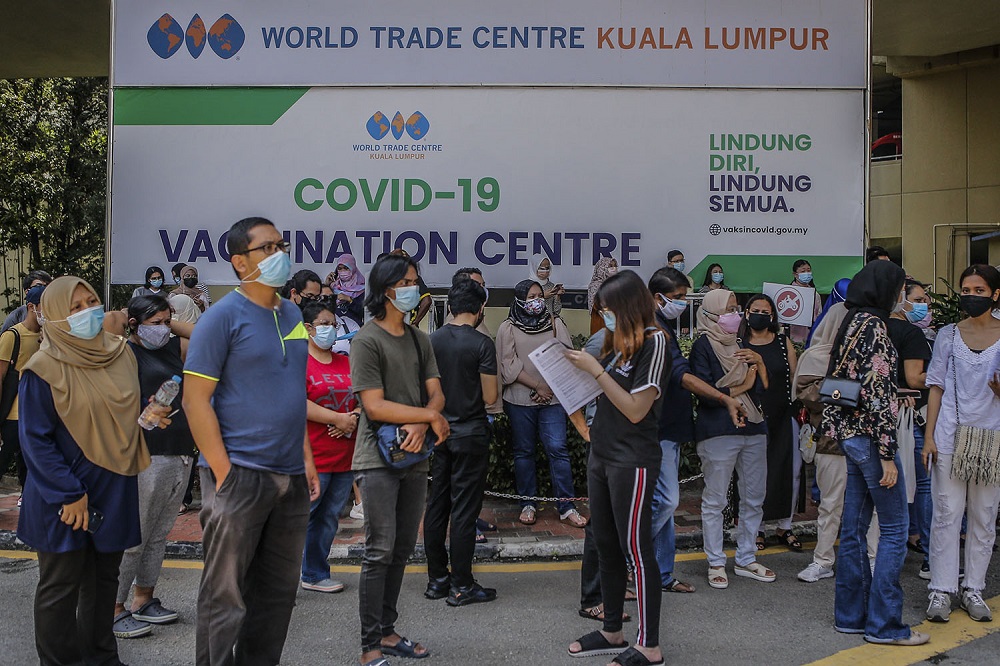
547,538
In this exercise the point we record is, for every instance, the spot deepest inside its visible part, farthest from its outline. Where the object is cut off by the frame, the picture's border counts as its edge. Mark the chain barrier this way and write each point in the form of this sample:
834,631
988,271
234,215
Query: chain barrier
524,498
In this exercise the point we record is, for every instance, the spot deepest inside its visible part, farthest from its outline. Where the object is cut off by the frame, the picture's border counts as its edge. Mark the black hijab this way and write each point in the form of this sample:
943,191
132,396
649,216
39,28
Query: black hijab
520,318
874,290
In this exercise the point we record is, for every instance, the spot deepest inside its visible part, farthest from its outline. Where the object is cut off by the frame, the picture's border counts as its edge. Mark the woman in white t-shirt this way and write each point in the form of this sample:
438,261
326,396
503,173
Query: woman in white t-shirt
963,391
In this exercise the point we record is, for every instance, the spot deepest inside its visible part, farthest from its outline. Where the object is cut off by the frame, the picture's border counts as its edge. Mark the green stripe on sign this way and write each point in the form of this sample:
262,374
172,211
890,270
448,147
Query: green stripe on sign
746,273
203,106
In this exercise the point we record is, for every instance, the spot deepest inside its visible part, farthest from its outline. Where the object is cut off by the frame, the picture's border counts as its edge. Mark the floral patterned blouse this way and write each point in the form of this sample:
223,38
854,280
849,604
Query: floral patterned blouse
872,361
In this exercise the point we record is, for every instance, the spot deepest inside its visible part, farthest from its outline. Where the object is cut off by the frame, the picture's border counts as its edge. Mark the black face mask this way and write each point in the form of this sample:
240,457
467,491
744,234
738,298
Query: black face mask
976,306
759,321
190,282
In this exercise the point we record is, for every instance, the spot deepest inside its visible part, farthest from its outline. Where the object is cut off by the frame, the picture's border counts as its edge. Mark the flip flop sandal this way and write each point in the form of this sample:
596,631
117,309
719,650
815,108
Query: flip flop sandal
377,661
527,516
597,613
630,595
406,649
677,586
791,541
632,657
480,537
595,644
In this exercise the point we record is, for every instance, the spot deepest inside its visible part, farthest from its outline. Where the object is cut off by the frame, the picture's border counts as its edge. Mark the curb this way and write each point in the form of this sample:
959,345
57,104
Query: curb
494,550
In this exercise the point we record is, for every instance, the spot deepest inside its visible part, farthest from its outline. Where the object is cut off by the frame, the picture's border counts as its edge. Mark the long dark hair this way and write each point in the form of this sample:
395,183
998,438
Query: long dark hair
708,275
150,272
628,298
387,271
744,332
990,274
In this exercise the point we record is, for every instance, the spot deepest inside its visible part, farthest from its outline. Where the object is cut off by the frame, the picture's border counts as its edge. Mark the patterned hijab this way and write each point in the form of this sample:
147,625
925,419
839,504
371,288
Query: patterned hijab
94,383
518,316
602,271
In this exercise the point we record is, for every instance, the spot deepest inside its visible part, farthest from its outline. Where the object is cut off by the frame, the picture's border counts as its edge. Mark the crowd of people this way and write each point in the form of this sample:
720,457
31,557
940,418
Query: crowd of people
297,391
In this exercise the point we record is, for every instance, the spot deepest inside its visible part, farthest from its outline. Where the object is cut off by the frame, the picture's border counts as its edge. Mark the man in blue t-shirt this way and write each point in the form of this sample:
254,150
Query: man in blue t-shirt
245,399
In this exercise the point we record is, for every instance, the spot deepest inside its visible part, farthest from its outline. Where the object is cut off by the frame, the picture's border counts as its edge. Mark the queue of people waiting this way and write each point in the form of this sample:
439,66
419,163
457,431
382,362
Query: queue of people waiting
898,430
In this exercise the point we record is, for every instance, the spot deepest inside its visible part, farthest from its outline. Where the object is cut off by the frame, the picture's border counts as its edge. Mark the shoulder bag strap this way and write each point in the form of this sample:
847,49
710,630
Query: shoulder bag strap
423,366
954,374
850,348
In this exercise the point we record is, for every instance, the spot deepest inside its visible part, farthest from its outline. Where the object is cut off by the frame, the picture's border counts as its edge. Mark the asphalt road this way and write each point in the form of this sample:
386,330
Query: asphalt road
535,619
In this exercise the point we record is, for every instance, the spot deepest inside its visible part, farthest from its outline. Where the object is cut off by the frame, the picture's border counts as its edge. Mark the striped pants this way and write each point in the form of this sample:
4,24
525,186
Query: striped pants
621,512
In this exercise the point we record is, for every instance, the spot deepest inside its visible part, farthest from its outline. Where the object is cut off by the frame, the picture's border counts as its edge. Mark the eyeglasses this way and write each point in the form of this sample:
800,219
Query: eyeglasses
310,297
268,248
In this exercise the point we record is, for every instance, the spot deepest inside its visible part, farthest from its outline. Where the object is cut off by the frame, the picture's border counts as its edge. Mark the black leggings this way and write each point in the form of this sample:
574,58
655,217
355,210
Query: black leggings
621,501
11,450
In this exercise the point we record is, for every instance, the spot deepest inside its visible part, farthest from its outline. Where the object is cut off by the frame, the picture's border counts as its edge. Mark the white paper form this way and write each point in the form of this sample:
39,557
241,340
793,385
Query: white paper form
574,387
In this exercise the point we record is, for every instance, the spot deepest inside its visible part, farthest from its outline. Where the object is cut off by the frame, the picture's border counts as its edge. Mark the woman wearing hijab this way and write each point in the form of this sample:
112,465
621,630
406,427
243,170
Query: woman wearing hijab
79,399
190,286
870,601
716,359
348,286
533,410
541,272
603,269
184,307
153,284
838,295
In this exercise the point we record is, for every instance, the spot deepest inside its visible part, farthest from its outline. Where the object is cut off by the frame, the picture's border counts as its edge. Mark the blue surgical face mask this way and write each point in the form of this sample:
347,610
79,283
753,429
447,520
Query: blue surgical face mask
156,283
672,309
680,265
407,298
86,324
718,277
609,320
325,336
805,278
918,312
274,270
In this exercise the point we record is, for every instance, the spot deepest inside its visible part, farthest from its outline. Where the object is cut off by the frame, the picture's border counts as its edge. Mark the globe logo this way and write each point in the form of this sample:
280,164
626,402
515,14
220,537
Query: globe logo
416,126
226,36
715,230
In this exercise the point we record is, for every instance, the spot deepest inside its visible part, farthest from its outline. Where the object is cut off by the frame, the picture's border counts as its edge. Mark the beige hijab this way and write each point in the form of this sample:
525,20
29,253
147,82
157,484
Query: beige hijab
725,345
185,309
814,361
95,385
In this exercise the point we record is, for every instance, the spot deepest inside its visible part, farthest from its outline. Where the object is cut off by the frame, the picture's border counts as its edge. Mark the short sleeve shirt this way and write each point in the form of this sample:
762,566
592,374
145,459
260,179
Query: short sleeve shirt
329,386
463,354
911,345
258,357
30,342
615,440
380,360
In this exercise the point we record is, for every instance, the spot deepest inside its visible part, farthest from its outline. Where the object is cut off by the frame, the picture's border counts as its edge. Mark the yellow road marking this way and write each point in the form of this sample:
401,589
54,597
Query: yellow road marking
944,637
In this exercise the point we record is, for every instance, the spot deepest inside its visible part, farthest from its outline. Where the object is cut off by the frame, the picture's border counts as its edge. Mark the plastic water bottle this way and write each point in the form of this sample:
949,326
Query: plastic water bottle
164,398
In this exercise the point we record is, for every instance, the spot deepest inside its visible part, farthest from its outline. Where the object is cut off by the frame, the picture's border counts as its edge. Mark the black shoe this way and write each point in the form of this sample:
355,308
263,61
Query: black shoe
476,594
437,588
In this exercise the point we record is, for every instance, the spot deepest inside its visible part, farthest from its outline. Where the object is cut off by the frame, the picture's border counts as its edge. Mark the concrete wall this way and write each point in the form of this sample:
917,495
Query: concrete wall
949,175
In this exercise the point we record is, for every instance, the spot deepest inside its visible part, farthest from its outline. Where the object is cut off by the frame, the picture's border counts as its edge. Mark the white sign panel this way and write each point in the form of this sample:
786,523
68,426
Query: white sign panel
711,43
487,178
795,304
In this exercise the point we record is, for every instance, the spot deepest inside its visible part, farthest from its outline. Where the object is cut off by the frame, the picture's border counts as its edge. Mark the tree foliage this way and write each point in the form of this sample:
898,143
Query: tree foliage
53,174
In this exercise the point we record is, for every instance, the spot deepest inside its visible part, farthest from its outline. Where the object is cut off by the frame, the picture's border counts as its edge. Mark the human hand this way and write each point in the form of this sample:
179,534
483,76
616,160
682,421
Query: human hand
930,452
737,412
748,356
751,378
221,474
441,428
994,384
584,361
76,514
312,479
889,473
545,394
162,412
415,435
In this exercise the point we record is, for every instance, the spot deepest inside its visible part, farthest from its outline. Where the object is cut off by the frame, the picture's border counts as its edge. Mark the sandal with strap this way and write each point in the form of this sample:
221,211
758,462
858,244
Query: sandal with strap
632,657
791,541
527,516
756,571
718,578
677,586
595,644
597,613
761,541
406,649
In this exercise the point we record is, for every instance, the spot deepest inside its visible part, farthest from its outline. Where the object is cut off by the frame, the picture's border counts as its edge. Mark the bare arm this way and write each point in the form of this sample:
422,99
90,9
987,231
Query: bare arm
747,384
181,329
913,369
312,478
490,391
634,406
422,308
319,414
933,410
205,425
793,359
414,420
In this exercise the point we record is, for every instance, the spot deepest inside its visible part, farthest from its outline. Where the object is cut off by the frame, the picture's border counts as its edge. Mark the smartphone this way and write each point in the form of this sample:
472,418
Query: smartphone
95,521
557,287
907,393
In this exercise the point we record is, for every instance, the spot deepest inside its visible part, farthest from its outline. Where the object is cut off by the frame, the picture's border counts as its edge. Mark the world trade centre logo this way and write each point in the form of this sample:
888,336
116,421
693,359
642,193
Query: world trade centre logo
225,37
416,125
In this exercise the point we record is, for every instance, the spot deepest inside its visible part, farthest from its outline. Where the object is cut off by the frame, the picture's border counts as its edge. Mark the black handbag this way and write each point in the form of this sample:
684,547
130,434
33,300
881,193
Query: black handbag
389,436
838,391
10,380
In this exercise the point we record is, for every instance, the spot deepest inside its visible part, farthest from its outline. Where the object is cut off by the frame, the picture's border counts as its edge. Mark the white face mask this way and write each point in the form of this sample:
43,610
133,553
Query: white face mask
672,309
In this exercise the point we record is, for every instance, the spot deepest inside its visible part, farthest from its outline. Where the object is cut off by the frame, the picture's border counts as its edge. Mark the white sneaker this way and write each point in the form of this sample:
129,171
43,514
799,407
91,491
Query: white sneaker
358,512
973,604
815,572
939,610
324,586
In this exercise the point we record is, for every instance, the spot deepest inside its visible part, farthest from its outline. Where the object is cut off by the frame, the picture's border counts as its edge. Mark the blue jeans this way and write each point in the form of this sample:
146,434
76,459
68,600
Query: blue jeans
867,603
666,497
324,519
922,508
528,425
